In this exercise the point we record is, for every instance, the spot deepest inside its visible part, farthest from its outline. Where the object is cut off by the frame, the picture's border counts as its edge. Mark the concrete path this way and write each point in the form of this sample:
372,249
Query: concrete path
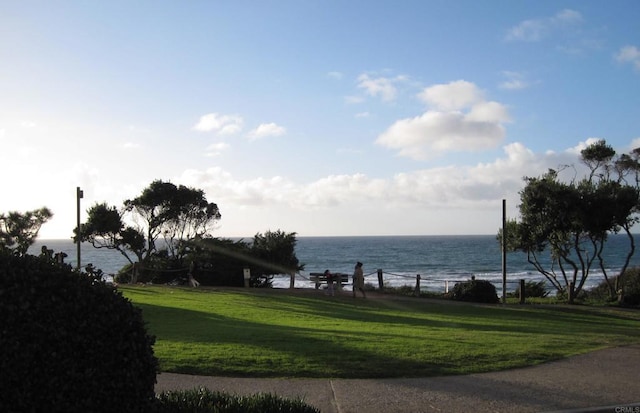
601,381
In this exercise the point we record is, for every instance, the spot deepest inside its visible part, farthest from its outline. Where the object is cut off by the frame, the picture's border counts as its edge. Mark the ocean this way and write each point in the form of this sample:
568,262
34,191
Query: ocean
439,260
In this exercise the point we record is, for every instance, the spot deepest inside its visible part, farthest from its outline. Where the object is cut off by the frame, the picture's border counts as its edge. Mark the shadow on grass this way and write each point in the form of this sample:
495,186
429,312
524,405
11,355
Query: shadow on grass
418,312
320,336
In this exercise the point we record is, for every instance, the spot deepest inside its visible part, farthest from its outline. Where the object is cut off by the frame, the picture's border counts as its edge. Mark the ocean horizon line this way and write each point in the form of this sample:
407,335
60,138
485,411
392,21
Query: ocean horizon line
326,236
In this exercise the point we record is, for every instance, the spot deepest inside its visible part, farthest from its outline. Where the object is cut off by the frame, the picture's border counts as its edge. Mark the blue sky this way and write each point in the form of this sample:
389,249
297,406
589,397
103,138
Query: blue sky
315,117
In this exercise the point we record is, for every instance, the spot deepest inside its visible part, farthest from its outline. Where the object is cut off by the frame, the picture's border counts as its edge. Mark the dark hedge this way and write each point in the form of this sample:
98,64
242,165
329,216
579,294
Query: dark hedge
477,291
206,401
69,342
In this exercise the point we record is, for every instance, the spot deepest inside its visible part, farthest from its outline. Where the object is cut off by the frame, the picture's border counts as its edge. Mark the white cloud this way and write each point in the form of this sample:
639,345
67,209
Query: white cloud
470,187
244,193
28,124
533,30
528,30
513,84
340,190
216,149
130,145
335,75
629,54
221,124
362,115
514,81
451,96
383,87
492,112
266,130
567,16
352,100
434,133
420,201
349,151
460,121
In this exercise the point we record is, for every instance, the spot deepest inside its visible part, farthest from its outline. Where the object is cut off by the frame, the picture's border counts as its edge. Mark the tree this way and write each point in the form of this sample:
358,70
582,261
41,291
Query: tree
222,261
572,220
275,254
18,231
177,214
191,217
105,229
625,172
219,261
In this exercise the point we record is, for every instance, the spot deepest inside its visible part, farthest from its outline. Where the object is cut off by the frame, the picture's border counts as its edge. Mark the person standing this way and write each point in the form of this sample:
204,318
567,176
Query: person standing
192,270
358,280
330,289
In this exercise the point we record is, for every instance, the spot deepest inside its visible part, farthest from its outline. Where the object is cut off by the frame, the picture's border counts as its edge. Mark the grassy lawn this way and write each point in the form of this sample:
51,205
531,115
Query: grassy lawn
274,333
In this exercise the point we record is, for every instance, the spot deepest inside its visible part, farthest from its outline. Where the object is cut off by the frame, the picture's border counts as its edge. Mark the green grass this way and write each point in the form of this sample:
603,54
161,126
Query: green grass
273,333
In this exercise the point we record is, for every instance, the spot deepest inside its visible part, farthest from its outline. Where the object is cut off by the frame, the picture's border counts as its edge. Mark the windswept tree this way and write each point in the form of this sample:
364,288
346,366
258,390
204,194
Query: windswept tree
18,231
105,229
223,261
192,217
619,178
274,252
163,210
177,213
571,220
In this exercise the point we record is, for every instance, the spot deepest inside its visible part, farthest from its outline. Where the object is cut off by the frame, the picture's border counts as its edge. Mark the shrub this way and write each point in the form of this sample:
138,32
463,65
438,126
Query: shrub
400,290
124,275
407,290
630,287
206,401
70,343
219,261
478,291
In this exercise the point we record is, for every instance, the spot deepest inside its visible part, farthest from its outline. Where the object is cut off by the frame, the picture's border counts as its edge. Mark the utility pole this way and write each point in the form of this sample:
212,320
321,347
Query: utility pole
79,195
504,251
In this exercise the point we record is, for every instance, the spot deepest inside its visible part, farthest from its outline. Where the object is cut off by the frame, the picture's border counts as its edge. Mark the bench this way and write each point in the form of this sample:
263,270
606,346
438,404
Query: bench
320,278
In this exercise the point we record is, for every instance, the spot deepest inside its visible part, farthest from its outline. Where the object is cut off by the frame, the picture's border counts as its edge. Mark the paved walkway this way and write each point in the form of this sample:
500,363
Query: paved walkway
607,378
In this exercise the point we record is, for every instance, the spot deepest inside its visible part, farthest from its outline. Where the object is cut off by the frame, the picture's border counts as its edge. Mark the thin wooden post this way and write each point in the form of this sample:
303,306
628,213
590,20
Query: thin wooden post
134,273
571,292
79,196
504,251
446,286
247,277
380,280
522,292
417,291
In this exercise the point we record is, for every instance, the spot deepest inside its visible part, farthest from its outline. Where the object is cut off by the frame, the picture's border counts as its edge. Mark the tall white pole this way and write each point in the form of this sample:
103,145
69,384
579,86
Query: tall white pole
79,195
